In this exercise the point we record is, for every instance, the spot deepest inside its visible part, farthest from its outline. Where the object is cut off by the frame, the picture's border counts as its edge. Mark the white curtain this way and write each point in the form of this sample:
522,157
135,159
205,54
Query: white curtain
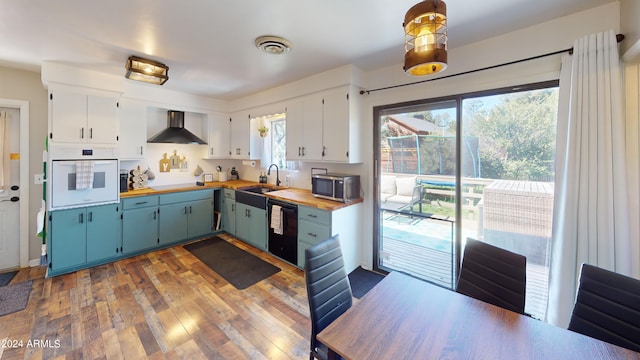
591,217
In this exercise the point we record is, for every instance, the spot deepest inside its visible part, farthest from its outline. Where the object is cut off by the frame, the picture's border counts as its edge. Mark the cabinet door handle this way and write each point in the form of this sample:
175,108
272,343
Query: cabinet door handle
81,218
312,215
190,209
312,234
90,133
141,151
81,133
233,207
299,151
140,203
154,215
185,210
324,151
303,148
90,216
211,151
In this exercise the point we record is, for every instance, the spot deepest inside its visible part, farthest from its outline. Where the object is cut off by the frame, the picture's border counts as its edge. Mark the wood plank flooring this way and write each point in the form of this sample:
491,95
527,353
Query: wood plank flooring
162,305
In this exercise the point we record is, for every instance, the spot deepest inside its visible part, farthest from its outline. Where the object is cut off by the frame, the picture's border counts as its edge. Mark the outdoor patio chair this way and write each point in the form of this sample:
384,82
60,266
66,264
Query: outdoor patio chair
607,307
328,289
493,275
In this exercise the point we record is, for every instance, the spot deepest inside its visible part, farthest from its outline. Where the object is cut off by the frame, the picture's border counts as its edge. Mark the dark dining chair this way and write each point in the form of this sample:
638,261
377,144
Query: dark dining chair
493,275
607,307
328,289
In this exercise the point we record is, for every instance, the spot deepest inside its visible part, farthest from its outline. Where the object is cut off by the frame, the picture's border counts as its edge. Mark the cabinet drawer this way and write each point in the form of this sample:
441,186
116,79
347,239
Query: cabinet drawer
139,202
229,194
312,233
315,215
186,196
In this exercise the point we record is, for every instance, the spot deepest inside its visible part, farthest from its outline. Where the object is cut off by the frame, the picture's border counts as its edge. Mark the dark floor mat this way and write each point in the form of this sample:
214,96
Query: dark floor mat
362,281
14,297
237,266
5,278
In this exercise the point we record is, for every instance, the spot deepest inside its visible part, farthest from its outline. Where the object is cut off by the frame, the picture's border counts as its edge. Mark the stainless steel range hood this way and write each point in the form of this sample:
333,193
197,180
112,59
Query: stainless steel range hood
175,132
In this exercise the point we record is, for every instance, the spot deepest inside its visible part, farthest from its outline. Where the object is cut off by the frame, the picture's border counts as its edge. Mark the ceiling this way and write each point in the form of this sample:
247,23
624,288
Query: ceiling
209,45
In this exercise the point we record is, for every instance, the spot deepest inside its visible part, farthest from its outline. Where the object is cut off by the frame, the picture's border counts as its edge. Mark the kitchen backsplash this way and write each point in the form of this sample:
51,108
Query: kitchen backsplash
300,178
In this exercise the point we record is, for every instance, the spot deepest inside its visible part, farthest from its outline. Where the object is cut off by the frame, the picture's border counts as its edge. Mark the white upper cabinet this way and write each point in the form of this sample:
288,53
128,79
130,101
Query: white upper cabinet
294,142
132,117
324,127
79,117
219,134
240,135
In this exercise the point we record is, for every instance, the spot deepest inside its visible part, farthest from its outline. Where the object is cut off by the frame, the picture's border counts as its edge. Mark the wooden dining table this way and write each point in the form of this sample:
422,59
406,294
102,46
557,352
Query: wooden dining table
406,318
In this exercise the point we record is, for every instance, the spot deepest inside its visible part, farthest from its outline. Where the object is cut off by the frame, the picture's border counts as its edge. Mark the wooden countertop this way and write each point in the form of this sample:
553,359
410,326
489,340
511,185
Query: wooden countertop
304,197
293,195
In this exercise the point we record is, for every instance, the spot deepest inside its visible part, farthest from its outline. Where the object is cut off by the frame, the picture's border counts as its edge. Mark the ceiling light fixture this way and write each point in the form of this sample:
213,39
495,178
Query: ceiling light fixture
273,44
425,41
146,70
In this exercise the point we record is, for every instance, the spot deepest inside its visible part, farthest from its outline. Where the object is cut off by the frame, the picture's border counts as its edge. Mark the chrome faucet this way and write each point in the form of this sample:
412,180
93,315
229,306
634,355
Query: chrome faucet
277,173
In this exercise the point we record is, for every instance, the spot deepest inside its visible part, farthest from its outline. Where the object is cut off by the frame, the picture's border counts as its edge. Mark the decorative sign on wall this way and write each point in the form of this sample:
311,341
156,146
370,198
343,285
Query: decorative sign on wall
165,164
175,161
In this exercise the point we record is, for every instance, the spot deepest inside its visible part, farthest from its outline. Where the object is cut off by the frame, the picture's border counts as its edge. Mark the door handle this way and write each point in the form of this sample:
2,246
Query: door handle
312,234
81,133
90,133
154,215
185,210
190,209
90,216
141,150
81,218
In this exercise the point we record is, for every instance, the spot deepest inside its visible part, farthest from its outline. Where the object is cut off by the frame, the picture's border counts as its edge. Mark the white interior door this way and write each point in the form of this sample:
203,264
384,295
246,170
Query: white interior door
10,191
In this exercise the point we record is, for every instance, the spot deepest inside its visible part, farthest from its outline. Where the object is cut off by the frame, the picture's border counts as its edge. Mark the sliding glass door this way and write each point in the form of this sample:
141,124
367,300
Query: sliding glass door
417,160
470,166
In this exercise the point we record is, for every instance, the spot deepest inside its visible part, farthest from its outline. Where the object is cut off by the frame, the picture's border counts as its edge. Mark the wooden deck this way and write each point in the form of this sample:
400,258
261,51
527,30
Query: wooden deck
437,266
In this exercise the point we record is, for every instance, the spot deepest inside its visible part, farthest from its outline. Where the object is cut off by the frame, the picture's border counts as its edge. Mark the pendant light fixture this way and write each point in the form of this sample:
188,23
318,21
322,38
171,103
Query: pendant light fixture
146,70
425,41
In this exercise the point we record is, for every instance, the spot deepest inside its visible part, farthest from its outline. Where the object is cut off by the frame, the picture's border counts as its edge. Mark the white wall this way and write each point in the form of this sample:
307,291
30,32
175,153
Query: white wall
26,85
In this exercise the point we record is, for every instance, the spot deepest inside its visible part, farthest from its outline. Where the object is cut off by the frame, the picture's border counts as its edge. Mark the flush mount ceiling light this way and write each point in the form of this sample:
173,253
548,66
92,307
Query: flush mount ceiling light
146,70
425,41
273,45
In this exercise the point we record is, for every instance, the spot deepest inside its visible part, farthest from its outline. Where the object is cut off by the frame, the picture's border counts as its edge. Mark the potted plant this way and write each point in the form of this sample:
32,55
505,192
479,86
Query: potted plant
263,130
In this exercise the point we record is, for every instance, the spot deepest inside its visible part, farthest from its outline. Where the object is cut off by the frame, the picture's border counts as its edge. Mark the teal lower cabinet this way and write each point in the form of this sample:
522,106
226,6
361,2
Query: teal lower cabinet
316,225
139,224
185,215
200,218
83,236
104,232
229,211
173,223
251,225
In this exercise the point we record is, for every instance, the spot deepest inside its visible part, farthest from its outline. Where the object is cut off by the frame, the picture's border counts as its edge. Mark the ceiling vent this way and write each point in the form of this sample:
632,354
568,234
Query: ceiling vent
273,45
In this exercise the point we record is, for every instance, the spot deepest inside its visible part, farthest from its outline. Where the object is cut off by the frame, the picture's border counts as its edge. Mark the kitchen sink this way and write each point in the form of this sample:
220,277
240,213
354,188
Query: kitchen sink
258,189
252,196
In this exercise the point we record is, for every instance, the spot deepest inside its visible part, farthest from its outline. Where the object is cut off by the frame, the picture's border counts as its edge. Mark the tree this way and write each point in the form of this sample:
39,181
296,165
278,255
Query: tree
517,135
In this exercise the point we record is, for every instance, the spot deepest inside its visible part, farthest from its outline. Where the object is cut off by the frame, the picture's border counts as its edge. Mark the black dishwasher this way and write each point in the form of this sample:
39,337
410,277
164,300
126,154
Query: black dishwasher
283,230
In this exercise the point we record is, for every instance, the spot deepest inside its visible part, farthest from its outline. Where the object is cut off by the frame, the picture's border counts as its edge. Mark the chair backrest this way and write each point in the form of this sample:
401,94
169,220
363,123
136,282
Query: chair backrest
328,288
416,195
493,275
607,307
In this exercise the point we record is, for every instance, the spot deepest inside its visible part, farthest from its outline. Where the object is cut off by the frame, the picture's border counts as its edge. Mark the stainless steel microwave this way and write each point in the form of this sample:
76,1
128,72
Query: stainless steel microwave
337,187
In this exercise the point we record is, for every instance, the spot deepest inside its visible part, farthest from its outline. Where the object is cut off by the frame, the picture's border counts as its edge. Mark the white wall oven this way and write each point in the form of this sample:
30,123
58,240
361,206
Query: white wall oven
82,176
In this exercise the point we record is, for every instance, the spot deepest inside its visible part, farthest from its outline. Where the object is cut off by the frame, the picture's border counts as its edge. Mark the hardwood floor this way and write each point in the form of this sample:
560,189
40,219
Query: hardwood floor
162,305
